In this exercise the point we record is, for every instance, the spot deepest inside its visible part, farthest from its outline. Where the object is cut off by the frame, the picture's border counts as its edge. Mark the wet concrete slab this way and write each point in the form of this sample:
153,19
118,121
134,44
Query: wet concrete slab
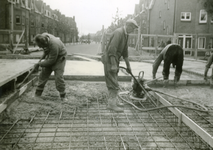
96,68
12,68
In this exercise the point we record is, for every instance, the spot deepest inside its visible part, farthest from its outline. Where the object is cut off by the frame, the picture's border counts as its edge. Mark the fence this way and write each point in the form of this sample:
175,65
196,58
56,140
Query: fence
193,44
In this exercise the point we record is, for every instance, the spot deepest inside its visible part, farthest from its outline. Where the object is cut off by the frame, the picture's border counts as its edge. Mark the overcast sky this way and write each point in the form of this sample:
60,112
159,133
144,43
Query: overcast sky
90,15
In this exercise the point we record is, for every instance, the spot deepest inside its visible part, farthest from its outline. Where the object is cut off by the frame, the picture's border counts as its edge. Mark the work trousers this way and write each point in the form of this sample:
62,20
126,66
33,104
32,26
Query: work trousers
156,64
111,78
58,69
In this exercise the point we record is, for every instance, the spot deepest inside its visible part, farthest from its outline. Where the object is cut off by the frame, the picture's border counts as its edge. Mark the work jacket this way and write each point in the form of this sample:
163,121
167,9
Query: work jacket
117,45
54,51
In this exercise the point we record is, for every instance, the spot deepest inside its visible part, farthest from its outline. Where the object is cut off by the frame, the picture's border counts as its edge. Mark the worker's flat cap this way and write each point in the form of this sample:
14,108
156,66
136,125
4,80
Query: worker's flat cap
132,21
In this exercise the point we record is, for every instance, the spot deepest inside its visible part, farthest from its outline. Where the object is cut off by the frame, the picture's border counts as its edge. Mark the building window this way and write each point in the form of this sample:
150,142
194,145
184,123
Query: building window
201,42
210,43
203,16
185,41
23,3
164,24
23,20
167,30
42,24
160,14
18,20
32,23
142,8
17,38
168,5
185,16
32,38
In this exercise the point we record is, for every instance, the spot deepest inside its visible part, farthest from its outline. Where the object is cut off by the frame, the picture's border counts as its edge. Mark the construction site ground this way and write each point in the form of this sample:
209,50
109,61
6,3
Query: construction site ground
83,122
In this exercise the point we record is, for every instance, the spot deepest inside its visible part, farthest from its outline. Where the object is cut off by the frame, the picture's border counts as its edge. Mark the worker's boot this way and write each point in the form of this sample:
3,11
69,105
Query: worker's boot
63,97
118,103
165,83
175,81
113,106
205,73
37,95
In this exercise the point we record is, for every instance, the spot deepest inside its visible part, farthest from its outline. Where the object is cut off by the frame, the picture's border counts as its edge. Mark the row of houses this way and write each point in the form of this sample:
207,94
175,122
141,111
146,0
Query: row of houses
21,20
185,22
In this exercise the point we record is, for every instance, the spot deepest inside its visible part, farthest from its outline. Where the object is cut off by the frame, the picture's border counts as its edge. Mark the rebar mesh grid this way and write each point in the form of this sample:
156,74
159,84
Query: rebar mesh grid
94,127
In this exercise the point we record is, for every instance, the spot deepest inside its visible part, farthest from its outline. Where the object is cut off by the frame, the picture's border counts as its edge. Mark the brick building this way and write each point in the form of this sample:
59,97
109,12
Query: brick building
33,17
185,20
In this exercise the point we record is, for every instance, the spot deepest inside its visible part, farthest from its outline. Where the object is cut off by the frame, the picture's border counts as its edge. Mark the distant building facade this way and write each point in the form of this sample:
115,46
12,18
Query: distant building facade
33,17
186,20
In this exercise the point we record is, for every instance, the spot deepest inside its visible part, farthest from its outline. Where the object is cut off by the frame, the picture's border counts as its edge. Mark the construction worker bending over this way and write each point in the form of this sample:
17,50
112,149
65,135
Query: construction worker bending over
116,48
55,60
208,65
171,54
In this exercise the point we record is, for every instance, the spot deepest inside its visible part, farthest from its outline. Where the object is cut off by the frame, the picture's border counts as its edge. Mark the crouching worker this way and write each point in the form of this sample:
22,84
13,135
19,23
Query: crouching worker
55,60
208,65
171,54
116,48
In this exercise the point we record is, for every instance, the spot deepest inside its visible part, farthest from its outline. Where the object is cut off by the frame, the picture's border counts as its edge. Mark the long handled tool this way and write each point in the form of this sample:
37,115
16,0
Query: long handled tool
173,96
133,78
30,73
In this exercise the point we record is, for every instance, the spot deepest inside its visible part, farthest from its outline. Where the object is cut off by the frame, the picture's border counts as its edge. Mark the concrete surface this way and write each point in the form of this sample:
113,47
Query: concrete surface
12,68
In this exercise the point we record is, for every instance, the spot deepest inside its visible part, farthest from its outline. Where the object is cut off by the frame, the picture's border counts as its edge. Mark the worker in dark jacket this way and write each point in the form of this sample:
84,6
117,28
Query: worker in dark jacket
208,65
116,48
55,60
171,54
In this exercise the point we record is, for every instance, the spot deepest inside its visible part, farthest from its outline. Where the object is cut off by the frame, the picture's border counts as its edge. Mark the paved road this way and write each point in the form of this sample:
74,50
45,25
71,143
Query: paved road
192,66
91,49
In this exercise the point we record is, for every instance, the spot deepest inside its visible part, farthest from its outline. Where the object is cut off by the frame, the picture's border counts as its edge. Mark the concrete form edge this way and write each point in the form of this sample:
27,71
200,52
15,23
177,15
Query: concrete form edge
7,102
97,78
190,123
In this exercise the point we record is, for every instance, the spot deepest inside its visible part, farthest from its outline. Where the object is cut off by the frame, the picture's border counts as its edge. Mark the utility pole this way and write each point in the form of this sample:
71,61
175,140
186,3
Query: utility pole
103,40
26,30
11,24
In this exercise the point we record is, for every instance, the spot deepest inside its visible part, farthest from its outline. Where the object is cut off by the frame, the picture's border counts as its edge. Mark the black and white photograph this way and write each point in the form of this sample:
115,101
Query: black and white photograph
106,75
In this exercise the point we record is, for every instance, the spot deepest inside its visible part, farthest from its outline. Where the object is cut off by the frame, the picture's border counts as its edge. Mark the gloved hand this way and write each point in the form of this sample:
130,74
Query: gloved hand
36,66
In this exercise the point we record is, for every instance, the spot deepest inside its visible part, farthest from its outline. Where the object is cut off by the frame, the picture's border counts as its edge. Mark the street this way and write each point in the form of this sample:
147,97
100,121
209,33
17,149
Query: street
90,49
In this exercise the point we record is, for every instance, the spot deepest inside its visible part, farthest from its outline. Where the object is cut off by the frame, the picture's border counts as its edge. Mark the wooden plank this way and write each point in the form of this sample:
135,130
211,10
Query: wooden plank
16,94
152,48
185,119
2,107
92,78
12,68
18,42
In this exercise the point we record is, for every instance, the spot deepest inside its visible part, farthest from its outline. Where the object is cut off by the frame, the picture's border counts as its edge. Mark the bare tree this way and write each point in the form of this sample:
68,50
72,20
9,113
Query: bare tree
208,4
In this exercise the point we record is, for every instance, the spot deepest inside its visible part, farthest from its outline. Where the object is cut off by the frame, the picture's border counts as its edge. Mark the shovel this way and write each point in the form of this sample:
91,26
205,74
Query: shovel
20,84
